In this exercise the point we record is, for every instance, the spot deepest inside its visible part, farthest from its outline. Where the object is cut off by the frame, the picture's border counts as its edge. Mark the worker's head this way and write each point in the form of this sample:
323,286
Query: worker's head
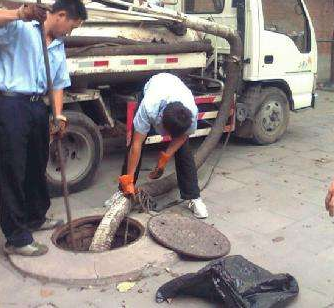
65,16
176,119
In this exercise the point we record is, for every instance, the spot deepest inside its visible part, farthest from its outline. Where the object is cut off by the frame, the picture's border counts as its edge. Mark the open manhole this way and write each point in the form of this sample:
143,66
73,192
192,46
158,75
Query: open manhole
84,230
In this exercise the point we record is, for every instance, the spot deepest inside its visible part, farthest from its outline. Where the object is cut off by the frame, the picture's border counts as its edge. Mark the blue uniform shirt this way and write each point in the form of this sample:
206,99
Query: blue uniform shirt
22,68
159,91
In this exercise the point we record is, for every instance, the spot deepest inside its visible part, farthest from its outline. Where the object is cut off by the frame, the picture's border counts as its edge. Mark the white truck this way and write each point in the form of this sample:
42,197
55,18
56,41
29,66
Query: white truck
117,50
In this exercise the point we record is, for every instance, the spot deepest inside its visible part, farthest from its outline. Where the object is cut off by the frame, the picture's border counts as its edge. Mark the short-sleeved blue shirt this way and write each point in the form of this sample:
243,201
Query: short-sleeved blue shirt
159,91
22,67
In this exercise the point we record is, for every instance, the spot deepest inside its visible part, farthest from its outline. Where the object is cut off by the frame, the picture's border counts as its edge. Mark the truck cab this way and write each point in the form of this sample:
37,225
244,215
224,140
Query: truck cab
279,62
279,42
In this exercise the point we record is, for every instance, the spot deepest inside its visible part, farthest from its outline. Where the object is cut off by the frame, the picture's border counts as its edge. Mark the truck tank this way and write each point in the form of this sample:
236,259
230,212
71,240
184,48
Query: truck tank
115,46
129,48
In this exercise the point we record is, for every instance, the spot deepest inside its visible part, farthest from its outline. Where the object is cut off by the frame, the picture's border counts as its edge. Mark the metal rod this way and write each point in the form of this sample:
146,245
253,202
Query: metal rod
126,231
132,202
215,71
325,40
59,145
332,62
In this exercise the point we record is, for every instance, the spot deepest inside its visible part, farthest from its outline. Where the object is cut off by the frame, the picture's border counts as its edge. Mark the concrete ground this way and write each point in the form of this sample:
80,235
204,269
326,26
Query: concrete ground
269,201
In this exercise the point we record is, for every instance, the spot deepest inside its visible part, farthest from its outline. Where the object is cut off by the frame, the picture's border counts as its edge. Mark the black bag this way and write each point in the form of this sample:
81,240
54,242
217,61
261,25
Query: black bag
234,282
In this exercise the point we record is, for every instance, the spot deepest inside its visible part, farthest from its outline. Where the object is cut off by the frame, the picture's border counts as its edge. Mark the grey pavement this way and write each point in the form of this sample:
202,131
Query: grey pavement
269,201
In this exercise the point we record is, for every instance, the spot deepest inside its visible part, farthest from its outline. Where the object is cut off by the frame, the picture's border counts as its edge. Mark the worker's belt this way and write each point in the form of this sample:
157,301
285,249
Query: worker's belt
29,97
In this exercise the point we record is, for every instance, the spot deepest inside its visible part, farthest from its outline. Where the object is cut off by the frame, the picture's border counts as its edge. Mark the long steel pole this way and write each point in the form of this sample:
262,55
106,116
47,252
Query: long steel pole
59,144
332,61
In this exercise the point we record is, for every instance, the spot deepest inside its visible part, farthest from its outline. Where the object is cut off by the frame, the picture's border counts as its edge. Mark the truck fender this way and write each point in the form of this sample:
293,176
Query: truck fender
249,103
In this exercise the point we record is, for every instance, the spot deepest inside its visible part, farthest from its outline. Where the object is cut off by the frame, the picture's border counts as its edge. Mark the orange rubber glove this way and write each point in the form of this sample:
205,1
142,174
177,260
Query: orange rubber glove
126,184
160,168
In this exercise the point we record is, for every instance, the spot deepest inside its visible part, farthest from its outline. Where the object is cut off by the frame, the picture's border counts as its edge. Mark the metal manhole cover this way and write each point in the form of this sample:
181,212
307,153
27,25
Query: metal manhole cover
189,236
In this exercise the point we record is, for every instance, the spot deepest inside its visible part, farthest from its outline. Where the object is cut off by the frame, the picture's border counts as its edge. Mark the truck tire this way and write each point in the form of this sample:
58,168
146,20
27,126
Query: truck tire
272,118
82,150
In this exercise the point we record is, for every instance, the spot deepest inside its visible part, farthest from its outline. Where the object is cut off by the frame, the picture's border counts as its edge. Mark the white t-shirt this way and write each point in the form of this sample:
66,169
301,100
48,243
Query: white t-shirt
159,91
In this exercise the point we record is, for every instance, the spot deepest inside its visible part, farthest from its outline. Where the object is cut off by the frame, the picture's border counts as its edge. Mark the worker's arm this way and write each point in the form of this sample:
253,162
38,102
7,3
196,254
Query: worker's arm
60,130
135,152
7,16
141,124
175,144
60,82
26,12
329,202
164,157
126,181
58,96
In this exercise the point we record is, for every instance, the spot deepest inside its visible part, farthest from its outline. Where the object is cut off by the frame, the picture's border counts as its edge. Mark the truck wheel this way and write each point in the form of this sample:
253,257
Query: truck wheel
82,149
272,118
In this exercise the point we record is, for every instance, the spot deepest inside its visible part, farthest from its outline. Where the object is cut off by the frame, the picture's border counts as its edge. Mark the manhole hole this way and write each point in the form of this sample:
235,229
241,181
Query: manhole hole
84,230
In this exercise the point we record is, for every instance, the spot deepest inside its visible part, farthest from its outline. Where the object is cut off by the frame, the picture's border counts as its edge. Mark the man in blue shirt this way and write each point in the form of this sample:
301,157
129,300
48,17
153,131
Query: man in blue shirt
24,118
169,106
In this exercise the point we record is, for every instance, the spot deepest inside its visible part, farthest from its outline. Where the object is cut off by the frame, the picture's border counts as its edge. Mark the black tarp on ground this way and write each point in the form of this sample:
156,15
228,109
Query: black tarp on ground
234,282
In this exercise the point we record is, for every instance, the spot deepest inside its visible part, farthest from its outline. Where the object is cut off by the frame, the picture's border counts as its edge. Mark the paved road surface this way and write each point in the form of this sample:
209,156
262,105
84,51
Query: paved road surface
267,200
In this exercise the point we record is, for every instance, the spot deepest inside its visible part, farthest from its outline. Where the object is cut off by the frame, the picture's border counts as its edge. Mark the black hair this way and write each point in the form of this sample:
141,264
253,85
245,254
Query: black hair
75,9
176,119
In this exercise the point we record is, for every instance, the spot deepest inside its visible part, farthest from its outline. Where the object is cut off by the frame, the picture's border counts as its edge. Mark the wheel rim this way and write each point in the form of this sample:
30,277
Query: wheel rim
272,116
77,155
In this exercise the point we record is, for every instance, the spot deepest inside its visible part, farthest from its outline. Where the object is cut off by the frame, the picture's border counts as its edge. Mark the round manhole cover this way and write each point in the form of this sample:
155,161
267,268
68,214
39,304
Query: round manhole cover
188,236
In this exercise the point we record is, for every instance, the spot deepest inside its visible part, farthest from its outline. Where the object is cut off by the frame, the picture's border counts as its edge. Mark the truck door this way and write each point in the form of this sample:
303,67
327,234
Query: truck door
288,48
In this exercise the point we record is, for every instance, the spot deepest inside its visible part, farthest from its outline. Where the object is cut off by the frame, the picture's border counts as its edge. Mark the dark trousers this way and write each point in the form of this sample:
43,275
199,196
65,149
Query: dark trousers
186,172
24,151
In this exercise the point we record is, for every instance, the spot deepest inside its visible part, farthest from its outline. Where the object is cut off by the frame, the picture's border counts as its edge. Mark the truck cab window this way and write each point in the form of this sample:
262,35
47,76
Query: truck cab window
204,6
288,17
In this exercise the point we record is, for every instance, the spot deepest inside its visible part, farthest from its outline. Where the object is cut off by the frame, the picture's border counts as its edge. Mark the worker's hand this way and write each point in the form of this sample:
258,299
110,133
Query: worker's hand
59,130
160,168
31,11
127,186
330,200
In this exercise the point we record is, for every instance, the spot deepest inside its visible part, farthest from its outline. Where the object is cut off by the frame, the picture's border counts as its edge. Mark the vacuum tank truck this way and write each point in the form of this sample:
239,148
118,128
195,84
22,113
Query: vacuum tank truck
118,49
